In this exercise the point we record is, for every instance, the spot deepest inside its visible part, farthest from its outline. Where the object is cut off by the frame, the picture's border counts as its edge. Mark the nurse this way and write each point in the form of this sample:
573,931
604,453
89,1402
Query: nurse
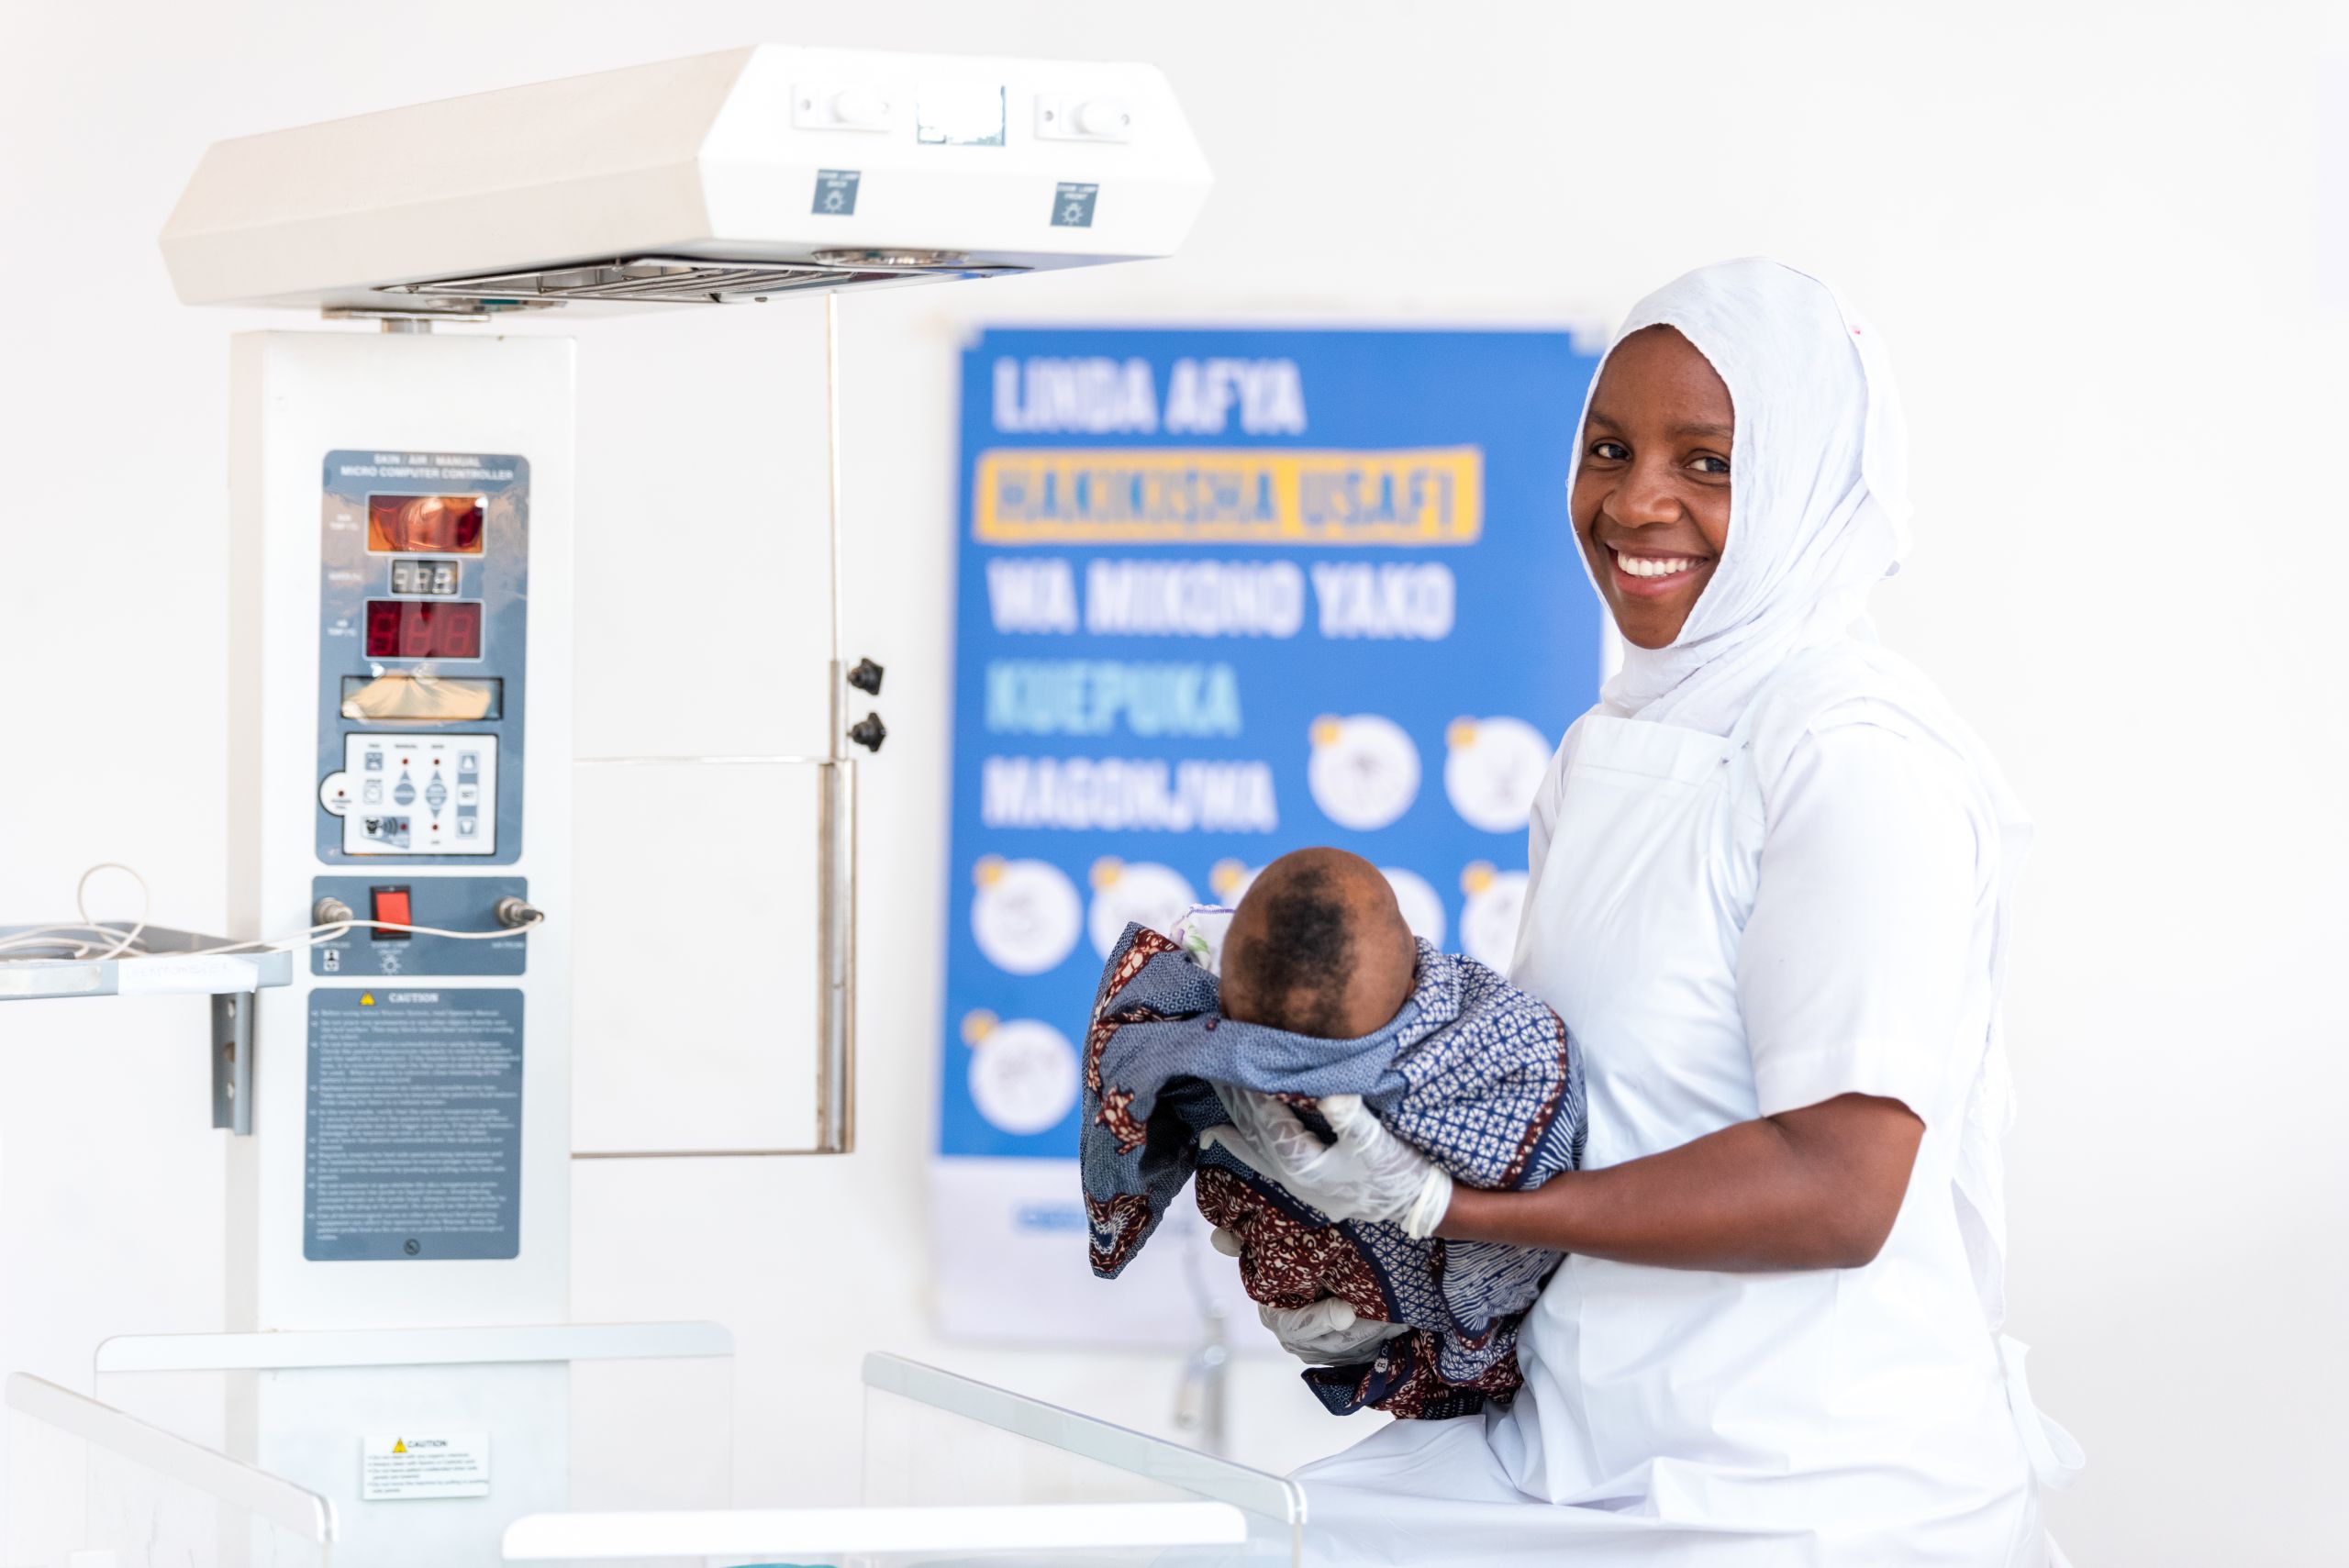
1770,896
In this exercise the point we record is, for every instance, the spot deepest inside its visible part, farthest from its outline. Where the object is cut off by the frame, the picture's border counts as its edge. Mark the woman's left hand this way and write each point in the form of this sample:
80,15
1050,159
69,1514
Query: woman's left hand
1367,1174
1327,1332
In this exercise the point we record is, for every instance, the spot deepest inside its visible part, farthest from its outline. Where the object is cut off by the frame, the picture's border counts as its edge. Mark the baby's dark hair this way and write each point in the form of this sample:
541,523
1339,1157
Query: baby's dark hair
1298,982
1319,948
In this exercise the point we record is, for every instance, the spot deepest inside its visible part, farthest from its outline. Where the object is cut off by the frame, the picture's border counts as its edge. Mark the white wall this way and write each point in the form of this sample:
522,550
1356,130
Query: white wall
2087,230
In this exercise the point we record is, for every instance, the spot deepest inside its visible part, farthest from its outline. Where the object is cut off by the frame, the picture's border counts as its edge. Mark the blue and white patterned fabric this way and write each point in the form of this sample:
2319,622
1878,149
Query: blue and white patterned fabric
1479,1076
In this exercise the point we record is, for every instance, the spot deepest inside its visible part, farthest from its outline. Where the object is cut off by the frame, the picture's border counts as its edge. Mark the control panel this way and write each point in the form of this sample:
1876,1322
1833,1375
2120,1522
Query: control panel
407,795
424,604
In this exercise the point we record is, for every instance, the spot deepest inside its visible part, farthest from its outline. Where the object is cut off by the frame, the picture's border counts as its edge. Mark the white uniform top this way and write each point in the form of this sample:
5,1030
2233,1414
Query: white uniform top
1860,947
1734,927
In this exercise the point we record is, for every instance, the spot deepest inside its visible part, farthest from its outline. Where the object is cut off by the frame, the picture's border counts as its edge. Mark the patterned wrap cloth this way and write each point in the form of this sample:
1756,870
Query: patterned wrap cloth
1478,1076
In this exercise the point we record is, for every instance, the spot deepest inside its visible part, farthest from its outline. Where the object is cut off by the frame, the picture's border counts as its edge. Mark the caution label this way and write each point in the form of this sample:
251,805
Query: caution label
415,1143
411,1466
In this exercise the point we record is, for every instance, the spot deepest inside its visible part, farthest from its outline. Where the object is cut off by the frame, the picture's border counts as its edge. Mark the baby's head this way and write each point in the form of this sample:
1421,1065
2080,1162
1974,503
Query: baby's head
1318,947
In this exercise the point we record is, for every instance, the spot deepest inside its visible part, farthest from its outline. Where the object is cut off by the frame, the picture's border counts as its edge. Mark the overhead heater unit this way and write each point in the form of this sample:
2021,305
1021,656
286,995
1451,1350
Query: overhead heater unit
723,177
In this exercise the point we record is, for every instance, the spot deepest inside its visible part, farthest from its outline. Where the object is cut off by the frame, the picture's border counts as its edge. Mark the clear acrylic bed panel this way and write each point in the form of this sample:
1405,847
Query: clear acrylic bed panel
93,1487
936,1438
575,1416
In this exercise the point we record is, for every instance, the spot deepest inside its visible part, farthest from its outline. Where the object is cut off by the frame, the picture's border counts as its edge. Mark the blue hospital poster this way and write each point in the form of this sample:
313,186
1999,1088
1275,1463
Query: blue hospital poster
1222,593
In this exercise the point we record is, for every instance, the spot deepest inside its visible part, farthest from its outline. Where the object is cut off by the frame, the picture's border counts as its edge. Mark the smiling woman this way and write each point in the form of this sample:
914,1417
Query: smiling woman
1769,885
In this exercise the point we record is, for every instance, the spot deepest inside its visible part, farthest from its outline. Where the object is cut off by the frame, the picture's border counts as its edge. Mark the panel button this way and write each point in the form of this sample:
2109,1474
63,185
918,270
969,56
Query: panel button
390,903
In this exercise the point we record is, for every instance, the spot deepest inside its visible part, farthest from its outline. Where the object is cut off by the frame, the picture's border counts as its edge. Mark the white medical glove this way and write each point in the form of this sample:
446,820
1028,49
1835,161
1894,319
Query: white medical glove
1368,1174
1327,1332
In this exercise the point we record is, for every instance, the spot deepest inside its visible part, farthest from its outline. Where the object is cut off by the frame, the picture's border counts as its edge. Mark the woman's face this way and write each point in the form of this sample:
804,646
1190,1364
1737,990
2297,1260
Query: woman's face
1650,500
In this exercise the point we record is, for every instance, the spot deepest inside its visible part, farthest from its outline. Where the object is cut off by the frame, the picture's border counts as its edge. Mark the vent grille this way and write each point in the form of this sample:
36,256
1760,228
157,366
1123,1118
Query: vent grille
688,282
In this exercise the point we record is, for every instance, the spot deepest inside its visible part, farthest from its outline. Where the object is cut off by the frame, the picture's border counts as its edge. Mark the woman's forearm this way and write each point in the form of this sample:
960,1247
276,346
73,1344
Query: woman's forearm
1816,1188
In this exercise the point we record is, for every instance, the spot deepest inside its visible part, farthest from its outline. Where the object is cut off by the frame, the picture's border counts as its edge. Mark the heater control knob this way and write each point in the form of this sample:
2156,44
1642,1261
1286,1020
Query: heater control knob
869,732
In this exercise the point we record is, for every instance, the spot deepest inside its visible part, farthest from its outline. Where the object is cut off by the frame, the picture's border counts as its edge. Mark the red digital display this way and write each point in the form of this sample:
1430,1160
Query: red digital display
405,628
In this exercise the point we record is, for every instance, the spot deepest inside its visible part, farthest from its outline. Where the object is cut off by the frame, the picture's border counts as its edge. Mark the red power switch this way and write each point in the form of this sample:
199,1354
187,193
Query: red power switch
391,906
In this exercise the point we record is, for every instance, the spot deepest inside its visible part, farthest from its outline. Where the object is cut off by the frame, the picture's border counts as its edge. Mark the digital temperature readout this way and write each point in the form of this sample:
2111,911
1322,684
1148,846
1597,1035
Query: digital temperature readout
405,628
424,577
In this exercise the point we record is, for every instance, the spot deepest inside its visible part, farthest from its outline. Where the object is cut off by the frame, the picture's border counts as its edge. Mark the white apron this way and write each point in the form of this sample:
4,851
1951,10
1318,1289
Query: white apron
1848,1416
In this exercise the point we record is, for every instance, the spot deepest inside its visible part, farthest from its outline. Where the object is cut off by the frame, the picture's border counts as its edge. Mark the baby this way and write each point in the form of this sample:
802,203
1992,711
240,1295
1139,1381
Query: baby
1313,989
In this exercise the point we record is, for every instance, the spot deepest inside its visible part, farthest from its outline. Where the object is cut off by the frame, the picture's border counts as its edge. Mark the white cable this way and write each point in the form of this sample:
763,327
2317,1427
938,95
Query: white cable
311,936
127,944
146,903
314,935
52,937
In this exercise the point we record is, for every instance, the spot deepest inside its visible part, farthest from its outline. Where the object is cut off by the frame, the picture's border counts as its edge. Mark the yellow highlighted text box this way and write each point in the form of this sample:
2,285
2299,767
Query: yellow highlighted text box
1431,495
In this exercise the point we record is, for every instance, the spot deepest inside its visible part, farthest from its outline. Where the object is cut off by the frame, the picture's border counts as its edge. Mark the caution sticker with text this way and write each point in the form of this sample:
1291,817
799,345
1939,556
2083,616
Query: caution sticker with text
406,1466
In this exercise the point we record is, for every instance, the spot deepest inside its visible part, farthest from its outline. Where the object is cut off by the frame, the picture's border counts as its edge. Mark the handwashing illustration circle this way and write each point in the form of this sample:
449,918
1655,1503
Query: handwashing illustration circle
1492,768
1025,914
1023,1071
1138,892
1488,923
1364,771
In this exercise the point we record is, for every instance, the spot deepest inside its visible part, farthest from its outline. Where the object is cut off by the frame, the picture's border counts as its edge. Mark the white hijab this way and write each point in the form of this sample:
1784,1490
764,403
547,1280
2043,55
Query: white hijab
1819,488
1819,515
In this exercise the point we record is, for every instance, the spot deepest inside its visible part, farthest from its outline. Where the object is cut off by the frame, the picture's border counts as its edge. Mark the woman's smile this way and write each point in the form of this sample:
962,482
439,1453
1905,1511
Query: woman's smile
1644,574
